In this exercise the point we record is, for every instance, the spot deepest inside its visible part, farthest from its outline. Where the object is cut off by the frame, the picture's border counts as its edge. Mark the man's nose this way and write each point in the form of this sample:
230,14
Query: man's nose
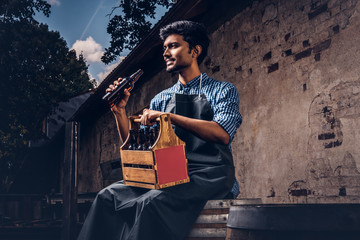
166,52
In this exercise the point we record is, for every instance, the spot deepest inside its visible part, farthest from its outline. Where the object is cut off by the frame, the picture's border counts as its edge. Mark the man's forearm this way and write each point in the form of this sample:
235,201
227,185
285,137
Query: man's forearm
122,122
207,130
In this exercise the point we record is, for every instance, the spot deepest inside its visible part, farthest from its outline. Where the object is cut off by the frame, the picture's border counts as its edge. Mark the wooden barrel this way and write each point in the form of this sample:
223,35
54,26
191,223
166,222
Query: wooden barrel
211,224
295,221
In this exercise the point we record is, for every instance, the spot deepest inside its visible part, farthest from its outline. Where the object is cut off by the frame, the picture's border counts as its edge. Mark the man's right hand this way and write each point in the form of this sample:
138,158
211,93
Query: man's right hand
122,103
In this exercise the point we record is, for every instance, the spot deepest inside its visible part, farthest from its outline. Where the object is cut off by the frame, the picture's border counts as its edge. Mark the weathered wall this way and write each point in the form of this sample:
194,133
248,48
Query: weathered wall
295,65
99,143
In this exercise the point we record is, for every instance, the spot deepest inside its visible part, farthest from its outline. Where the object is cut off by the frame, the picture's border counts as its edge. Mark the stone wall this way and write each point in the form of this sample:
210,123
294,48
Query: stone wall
295,65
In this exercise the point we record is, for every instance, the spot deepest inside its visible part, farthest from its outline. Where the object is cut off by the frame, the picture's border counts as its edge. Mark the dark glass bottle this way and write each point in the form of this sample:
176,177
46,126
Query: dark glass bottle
146,138
142,142
152,138
132,140
115,96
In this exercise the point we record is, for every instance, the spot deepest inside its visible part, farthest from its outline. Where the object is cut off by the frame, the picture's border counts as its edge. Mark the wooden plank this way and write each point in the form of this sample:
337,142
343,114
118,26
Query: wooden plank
209,225
170,184
227,203
220,218
208,232
215,211
139,175
137,157
142,185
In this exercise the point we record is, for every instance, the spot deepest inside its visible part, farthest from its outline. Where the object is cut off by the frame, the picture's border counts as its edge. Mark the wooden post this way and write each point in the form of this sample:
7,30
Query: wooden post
69,231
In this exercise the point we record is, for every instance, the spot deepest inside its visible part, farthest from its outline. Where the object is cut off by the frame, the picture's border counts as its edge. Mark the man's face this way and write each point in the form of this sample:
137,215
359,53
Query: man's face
176,54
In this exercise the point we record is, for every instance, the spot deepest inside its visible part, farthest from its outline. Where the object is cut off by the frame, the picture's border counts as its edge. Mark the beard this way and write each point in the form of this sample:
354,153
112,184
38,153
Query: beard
176,67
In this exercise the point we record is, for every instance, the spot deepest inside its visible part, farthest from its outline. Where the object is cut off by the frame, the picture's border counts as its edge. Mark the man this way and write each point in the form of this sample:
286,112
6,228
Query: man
205,114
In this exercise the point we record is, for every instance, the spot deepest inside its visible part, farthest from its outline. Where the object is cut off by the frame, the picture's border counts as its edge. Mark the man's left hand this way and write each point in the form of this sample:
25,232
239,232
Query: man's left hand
149,117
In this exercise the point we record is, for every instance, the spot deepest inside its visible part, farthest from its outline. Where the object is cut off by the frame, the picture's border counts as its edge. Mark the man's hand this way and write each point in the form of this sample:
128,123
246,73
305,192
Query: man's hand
122,103
149,116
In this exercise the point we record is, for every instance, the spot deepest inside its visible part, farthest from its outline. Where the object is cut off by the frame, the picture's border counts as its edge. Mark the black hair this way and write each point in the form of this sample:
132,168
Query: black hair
193,33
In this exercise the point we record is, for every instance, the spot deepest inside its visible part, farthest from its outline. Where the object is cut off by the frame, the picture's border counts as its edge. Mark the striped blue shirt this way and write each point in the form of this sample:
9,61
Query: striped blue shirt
222,97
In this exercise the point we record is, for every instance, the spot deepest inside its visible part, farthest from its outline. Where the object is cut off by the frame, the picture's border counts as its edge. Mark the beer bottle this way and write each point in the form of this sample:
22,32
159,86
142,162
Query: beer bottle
133,140
152,138
141,145
115,96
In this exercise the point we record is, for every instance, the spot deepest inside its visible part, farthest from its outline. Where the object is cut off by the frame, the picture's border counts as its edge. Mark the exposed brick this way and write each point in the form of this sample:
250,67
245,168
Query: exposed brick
342,191
322,46
272,193
287,53
306,43
333,144
303,54
326,136
336,29
287,36
299,192
267,56
298,188
326,110
215,69
235,46
238,69
208,63
315,4
318,11
273,67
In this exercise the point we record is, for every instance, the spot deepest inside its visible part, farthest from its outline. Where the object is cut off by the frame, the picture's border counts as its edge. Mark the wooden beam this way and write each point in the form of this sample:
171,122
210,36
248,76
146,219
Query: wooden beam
70,185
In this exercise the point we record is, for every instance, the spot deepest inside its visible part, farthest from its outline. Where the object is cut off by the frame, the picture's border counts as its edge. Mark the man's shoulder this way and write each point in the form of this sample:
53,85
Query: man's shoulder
165,92
216,84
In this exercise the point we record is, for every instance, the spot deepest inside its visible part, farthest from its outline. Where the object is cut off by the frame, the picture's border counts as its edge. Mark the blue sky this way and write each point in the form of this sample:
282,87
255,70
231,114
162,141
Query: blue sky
82,23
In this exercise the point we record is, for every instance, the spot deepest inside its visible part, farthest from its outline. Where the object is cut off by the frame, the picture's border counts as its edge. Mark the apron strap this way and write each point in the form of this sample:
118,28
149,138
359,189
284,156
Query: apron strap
200,84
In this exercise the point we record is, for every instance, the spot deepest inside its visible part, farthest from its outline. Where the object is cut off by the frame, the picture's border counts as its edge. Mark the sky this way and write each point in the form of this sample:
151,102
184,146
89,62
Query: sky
82,24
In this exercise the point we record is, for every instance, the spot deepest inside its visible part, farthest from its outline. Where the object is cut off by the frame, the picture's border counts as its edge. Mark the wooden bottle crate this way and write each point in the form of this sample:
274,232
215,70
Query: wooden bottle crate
165,165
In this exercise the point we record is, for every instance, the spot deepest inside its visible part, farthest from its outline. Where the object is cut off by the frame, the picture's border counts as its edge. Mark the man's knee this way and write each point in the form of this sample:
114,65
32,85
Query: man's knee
108,192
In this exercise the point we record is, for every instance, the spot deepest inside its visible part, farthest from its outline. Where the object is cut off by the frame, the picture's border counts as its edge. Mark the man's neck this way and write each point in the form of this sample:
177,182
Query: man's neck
188,74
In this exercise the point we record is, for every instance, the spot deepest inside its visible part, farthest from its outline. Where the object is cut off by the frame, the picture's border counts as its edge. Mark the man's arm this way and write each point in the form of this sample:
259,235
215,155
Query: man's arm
207,130
122,122
220,129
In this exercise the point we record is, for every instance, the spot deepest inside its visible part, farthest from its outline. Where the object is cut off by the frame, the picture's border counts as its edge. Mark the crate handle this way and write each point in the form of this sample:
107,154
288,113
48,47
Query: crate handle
137,120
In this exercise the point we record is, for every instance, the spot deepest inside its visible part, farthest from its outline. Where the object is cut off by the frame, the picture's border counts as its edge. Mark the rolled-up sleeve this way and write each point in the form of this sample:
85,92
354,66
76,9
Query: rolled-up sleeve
226,109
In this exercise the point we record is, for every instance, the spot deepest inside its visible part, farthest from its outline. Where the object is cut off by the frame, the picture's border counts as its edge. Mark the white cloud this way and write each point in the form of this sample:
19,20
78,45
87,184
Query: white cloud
108,69
91,50
54,2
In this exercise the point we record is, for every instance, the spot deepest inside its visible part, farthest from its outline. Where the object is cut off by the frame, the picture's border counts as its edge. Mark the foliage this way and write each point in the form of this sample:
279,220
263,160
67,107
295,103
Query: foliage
37,71
22,10
132,25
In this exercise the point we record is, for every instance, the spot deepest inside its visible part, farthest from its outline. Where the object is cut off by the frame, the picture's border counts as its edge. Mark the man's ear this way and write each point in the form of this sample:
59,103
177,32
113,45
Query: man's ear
197,51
